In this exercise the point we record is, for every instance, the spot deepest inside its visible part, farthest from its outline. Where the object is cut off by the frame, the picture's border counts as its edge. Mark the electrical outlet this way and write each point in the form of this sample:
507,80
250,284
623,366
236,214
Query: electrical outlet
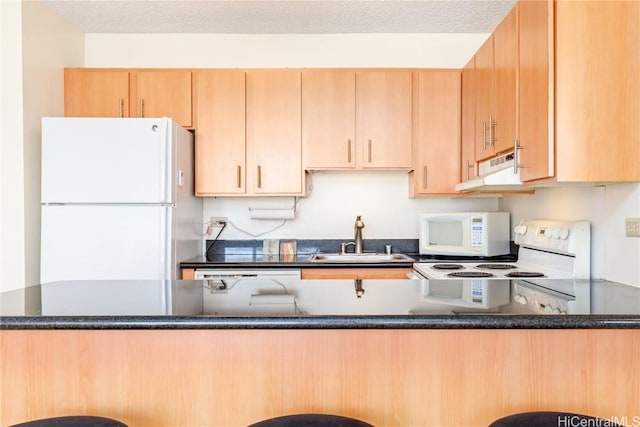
218,221
632,227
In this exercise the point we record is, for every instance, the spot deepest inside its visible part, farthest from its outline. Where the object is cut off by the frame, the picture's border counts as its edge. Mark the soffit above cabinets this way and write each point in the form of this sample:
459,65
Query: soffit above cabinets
282,16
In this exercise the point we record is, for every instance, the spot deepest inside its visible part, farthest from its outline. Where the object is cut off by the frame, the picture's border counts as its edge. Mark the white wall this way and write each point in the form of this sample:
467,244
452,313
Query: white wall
613,256
281,50
36,45
12,242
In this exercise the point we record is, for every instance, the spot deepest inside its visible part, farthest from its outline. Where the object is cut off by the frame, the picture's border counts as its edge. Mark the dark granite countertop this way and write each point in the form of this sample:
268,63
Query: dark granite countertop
321,304
249,254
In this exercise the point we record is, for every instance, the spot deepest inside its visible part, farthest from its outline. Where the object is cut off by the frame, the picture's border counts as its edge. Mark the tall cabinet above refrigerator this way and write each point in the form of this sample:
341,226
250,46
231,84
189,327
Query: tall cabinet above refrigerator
117,199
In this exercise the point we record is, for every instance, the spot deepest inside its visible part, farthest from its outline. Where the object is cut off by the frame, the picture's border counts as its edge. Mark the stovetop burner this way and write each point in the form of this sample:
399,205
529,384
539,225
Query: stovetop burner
447,267
524,274
496,266
469,274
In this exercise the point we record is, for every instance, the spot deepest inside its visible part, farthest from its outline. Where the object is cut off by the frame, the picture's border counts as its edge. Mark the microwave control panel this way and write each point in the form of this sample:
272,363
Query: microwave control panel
477,234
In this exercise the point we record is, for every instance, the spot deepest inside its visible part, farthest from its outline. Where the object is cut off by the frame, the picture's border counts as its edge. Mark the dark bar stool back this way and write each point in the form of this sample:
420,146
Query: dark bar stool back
311,420
73,421
550,419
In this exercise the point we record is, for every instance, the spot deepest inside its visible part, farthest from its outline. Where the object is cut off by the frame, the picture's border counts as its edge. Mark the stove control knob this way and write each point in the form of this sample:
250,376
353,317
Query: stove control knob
548,309
521,299
564,233
548,233
521,229
556,233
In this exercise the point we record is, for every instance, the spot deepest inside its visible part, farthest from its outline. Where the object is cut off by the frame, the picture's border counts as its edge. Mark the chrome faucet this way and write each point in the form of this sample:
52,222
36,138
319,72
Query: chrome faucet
357,243
359,225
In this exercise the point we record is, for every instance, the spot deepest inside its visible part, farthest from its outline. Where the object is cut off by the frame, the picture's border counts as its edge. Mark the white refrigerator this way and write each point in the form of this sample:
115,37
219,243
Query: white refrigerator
117,199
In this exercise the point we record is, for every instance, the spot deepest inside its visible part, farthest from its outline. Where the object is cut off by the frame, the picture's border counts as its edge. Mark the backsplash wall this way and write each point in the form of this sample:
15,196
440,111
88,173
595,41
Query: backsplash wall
335,199
613,256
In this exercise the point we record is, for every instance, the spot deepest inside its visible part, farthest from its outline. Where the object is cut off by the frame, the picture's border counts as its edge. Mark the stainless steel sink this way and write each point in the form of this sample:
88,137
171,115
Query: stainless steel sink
361,258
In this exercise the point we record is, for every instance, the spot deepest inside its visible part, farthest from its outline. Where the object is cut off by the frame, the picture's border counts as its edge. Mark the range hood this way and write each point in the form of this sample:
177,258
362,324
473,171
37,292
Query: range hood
496,176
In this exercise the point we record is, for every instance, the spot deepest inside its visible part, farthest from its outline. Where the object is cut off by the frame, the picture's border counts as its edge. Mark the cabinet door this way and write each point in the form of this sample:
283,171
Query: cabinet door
328,119
468,167
597,90
383,119
355,273
220,132
274,142
437,169
535,105
484,100
162,93
505,71
96,93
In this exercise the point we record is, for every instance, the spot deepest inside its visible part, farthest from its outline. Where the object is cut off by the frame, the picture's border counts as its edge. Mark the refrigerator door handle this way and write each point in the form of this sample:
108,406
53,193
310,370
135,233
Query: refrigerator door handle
165,173
166,242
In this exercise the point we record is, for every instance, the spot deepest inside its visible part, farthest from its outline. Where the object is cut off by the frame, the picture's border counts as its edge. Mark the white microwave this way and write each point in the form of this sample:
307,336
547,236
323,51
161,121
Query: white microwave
465,233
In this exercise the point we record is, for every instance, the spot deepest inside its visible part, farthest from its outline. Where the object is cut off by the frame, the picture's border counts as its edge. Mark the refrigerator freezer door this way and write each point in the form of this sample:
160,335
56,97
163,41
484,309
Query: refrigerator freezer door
107,242
106,160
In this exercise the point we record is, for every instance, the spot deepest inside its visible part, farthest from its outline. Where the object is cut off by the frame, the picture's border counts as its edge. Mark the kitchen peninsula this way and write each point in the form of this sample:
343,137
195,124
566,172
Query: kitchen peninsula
170,353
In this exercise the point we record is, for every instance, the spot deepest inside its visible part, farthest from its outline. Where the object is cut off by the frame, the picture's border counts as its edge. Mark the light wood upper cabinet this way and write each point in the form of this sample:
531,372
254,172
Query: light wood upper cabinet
220,132
436,132
496,65
357,119
505,73
597,99
158,93
96,93
484,100
535,93
583,90
468,166
384,119
273,125
328,119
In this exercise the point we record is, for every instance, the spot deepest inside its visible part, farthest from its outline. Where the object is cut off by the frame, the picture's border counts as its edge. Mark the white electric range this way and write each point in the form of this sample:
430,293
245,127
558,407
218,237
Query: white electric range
548,251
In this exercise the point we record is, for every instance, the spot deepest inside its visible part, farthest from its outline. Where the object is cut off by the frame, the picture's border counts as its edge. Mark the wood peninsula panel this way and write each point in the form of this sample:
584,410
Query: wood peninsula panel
227,378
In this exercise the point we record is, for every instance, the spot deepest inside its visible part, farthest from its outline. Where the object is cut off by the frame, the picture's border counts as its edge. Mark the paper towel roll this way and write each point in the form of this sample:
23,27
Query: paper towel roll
272,213
272,299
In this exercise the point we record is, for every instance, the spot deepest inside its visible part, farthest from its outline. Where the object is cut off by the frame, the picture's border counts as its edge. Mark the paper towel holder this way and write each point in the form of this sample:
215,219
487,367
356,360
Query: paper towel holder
274,213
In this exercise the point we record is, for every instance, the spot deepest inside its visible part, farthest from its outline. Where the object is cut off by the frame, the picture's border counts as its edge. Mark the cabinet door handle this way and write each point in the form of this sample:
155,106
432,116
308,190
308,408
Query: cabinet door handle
492,139
348,151
469,166
120,107
424,176
369,151
484,135
141,112
259,177
239,176
516,149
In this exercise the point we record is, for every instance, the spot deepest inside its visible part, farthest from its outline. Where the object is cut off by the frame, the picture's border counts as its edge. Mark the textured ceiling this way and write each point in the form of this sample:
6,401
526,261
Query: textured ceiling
282,16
